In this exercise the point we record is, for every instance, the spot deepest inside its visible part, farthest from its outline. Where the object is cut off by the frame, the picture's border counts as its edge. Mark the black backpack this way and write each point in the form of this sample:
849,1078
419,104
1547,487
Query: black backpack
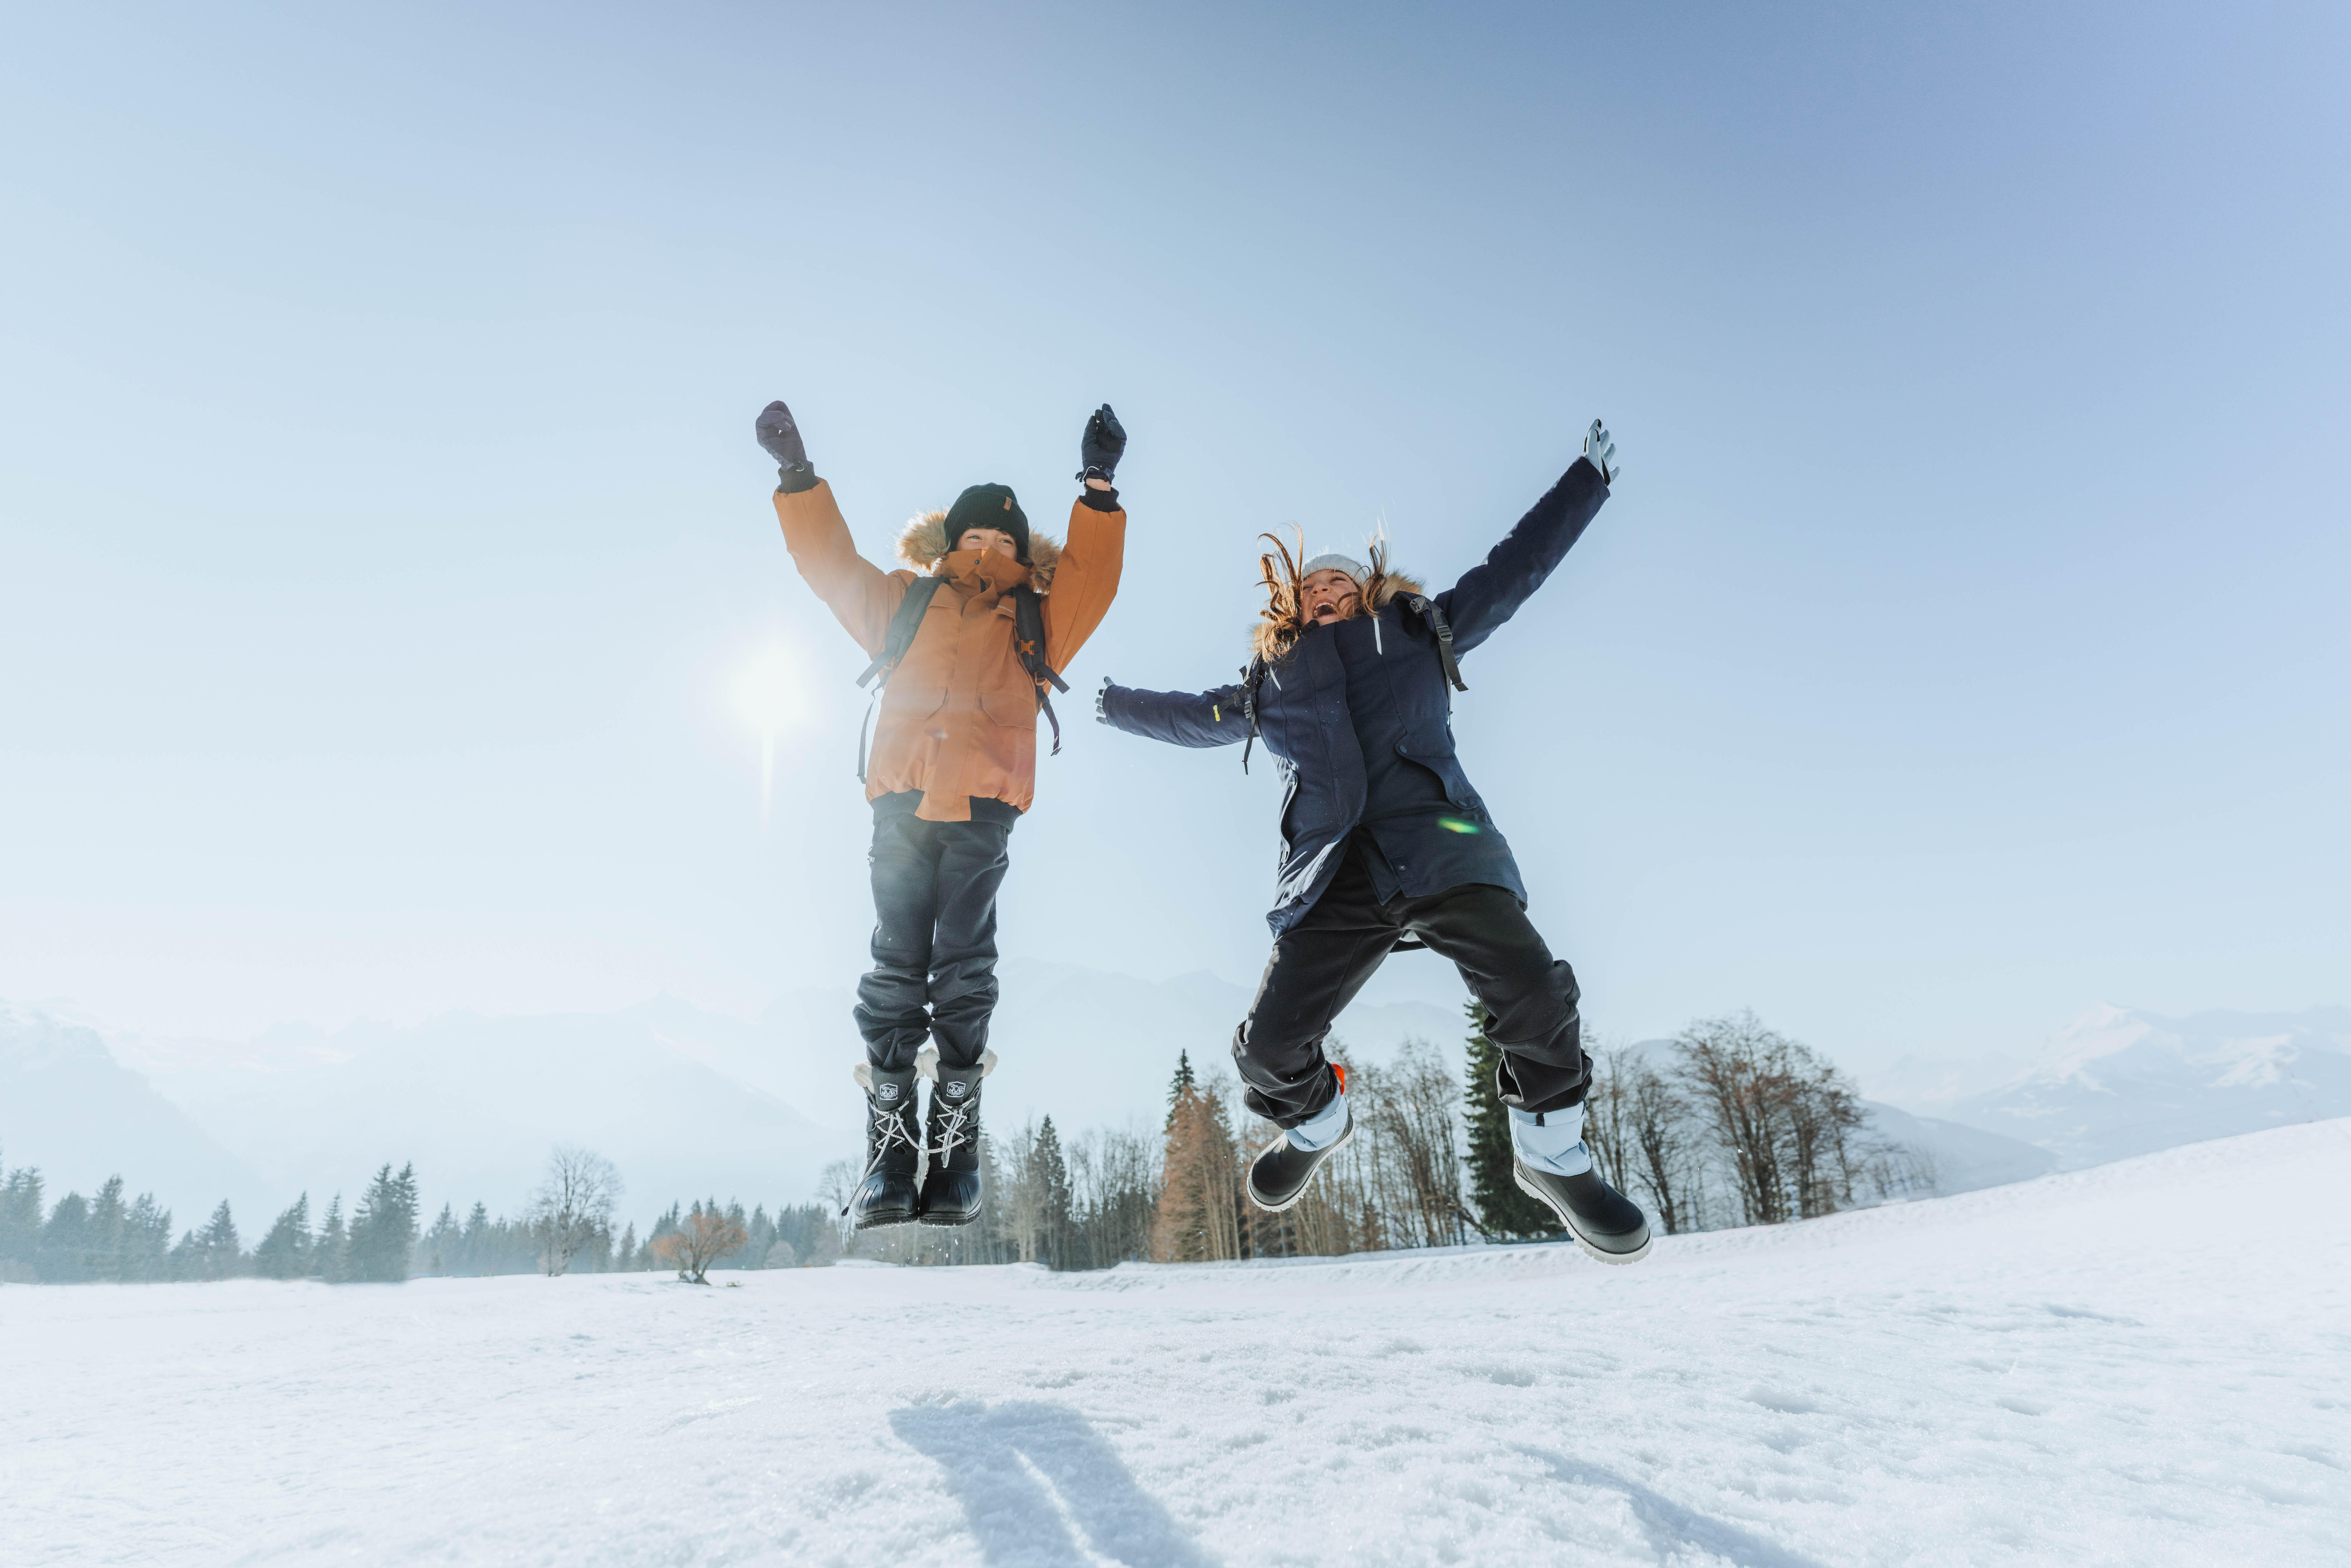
1028,637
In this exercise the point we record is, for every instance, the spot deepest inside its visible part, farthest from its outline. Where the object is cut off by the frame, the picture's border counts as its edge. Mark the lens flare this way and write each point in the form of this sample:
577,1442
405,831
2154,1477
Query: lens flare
770,697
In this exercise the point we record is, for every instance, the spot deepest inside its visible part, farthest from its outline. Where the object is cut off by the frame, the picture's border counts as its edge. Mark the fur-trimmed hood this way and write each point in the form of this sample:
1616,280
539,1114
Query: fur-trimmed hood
923,544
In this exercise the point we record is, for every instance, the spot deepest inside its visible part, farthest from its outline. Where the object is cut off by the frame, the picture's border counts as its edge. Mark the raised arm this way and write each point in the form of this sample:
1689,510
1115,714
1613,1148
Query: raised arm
1491,592
1087,579
861,595
1213,717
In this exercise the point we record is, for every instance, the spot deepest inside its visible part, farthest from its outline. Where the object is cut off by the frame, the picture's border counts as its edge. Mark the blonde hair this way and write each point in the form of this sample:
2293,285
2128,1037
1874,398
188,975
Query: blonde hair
1283,620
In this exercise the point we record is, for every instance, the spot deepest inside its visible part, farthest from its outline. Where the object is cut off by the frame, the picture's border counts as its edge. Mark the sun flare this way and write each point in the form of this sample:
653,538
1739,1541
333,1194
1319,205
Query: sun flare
770,697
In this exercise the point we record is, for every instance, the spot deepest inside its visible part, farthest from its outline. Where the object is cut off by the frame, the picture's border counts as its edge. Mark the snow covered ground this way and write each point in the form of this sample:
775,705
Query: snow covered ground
2145,1363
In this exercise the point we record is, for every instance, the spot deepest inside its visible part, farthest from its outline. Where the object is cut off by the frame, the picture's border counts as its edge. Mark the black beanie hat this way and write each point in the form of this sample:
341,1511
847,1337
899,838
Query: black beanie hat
989,507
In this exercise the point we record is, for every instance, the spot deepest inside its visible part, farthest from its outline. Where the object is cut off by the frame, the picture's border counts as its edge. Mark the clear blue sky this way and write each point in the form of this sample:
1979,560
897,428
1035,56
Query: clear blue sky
381,530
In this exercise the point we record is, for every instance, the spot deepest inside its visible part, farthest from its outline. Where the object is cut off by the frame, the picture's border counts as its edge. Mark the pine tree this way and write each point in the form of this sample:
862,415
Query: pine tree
22,1206
1507,1212
330,1257
440,1243
384,1228
1183,1084
102,1244
473,1243
220,1252
146,1240
285,1252
65,1239
1051,1170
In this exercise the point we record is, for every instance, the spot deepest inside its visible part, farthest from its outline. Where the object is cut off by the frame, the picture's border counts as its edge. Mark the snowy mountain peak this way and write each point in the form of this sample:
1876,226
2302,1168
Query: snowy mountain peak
2123,1081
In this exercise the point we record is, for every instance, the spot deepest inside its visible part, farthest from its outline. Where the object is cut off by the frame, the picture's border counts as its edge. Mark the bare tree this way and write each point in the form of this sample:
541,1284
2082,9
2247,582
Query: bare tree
1657,1142
1605,1132
1787,1124
573,1204
1409,1108
702,1239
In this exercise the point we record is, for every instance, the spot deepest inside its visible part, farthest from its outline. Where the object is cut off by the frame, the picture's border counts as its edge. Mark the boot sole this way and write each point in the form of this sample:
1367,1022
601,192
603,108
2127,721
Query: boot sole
1568,1219
950,1217
1291,1201
884,1221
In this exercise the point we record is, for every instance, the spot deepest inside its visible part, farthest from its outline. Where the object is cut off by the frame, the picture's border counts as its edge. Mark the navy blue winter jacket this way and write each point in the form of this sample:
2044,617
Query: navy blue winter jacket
1358,718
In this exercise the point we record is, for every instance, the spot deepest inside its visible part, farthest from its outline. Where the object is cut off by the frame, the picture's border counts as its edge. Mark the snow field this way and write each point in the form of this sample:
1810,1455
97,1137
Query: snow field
2145,1363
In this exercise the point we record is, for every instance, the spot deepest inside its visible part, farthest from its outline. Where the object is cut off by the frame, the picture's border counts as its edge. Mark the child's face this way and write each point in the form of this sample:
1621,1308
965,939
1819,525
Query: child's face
995,539
1328,594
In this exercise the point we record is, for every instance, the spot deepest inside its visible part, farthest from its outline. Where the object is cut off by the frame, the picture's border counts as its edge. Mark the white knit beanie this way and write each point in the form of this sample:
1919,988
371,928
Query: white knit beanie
1334,561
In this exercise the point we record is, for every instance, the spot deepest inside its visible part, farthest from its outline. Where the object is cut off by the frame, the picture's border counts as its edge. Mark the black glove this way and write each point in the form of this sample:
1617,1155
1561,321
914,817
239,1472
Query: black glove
782,438
1101,448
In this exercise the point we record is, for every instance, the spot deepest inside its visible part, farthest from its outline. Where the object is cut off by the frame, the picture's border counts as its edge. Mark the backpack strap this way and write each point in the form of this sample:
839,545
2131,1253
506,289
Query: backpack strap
1427,608
1252,676
1029,641
903,624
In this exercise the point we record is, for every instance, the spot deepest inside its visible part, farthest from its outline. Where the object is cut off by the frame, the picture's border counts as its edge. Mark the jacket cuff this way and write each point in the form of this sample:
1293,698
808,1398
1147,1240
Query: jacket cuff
1100,500
792,481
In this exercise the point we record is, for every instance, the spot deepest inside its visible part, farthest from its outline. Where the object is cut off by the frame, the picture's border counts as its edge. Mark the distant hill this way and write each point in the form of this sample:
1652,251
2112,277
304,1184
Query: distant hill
477,1102
1964,1158
2122,1082
1088,1046
68,1107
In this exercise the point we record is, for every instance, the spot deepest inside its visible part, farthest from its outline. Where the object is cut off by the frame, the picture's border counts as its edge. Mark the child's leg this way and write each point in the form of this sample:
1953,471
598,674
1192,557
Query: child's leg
891,1014
1317,968
972,858
1528,996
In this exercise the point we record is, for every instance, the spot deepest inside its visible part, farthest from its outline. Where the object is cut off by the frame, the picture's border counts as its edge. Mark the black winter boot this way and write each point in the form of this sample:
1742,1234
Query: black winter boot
887,1195
951,1194
1279,1174
1604,1221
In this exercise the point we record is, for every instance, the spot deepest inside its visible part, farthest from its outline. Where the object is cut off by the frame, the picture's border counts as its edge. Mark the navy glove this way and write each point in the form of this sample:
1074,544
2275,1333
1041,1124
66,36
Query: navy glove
782,438
1103,444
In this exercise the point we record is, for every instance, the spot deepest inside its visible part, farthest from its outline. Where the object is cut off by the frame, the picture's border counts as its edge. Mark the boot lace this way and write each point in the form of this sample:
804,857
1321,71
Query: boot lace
952,1122
889,1128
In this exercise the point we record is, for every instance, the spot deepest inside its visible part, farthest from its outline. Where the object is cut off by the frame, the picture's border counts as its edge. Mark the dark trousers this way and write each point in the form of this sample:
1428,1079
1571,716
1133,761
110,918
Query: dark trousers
1320,963
933,975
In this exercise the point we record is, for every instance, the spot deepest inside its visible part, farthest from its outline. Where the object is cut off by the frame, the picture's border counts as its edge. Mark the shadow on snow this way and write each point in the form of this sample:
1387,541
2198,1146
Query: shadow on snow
1030,1476
1668,1525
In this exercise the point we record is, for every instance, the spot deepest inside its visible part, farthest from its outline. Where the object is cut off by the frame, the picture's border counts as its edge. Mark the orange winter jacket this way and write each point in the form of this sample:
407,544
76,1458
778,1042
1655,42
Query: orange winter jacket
958,718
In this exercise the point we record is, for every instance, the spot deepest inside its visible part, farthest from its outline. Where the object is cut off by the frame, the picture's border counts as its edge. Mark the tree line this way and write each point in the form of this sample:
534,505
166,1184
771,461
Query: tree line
567,1227
1729,1123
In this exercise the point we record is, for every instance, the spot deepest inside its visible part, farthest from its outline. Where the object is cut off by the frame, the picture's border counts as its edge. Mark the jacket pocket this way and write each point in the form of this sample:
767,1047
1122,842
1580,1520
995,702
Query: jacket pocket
1440,760
1014,708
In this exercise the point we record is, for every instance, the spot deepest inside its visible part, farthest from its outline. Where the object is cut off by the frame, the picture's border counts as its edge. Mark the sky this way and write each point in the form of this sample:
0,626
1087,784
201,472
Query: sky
383,545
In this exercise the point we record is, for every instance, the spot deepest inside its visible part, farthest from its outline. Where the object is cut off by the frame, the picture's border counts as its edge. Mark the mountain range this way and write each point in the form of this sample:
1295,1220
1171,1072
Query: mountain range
2122,1082
689,1102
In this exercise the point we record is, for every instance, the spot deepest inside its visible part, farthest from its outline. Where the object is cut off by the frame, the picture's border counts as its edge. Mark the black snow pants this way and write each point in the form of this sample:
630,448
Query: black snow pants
933,975
1320,963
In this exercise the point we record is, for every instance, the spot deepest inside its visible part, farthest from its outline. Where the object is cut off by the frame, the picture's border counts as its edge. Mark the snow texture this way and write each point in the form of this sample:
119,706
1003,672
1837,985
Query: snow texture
2147,1363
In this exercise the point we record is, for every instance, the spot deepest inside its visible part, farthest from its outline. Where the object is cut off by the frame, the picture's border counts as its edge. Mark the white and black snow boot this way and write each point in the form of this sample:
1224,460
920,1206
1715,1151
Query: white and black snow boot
1279,1174
1604,1221
887,1195
951,1194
